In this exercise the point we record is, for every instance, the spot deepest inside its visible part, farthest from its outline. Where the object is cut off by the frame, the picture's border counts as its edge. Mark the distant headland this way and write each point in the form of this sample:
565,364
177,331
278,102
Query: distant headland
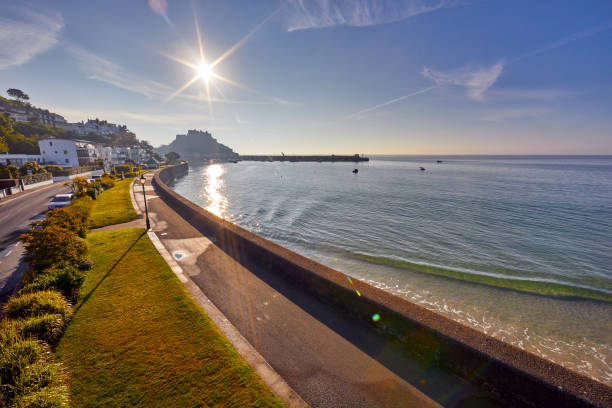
197,144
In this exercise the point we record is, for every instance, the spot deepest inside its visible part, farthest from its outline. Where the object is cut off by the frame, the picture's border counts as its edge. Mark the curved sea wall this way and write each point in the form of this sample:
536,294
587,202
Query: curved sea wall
512,374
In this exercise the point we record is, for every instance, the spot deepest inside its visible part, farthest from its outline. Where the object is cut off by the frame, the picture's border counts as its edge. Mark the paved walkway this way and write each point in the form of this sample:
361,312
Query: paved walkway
318,351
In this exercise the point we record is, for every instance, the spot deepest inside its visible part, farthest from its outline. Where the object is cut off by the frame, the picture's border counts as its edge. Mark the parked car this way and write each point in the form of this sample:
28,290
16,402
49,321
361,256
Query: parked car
61,201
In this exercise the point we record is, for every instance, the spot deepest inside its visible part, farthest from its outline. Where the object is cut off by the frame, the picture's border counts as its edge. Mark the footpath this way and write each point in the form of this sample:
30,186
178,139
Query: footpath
315,349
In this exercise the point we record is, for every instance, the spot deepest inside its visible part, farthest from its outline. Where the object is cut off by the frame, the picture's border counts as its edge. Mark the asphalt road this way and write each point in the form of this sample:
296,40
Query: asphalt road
15,215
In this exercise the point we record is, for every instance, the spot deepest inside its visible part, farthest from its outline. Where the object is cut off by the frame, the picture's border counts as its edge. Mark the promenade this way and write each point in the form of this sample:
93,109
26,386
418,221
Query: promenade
316,350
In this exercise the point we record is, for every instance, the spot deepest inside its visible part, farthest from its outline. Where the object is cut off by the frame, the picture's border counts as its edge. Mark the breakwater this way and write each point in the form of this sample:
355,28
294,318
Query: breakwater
305,158
516,376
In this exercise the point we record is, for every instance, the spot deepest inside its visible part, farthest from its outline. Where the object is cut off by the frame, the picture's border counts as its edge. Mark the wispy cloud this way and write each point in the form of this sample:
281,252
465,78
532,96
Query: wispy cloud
476,81
102,69
308,14
26,35
505,114
392,101
122,116
564,41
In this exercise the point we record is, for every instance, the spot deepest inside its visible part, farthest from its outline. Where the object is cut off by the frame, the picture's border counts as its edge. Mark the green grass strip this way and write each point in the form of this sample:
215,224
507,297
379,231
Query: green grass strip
113,206
535,287
137,338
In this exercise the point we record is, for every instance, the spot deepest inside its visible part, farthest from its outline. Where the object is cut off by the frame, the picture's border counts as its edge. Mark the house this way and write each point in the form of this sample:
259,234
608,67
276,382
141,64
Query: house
61,152
19,159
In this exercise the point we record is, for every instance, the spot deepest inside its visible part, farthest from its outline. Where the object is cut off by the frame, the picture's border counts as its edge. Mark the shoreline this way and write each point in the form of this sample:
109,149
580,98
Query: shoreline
401,315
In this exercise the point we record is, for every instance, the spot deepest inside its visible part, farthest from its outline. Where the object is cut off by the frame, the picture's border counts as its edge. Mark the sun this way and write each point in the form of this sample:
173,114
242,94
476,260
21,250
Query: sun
205,71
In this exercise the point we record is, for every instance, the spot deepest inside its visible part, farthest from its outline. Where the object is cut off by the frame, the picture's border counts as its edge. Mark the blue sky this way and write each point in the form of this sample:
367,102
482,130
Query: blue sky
325,76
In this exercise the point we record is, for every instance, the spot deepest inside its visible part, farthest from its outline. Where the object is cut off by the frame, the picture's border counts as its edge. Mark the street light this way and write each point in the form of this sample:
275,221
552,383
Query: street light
144,195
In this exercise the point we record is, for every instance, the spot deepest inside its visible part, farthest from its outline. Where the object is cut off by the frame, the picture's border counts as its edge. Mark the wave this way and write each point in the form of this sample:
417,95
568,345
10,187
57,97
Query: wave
538,287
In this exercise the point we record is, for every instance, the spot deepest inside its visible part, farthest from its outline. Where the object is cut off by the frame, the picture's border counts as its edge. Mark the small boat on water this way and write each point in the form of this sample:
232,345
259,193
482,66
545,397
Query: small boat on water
422,168
439,161
355,171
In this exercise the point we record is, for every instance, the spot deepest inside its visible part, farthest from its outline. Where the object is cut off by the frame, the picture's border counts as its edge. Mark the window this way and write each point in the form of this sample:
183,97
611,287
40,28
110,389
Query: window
56,152
65,151
66,160
50,143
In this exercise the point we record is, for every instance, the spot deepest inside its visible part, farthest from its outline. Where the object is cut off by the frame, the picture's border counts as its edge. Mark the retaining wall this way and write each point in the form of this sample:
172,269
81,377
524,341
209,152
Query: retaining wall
39,184
505,371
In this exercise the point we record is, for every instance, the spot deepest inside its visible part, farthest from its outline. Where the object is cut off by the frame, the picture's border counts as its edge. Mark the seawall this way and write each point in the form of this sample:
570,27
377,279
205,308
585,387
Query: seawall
519,377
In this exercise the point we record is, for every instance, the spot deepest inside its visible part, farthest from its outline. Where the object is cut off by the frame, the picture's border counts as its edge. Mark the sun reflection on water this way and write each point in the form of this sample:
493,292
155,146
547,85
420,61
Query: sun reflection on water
213,189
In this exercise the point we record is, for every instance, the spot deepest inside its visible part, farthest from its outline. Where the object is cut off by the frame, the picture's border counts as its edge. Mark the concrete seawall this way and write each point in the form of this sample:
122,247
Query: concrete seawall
516,376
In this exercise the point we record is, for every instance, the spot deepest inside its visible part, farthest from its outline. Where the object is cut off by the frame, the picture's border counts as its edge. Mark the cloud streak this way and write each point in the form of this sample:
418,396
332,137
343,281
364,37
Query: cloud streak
475,81
28,34
311,14
104,70
569,39
392,101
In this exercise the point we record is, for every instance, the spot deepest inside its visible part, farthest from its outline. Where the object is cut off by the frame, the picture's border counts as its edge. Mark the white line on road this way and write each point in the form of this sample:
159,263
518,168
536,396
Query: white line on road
8,253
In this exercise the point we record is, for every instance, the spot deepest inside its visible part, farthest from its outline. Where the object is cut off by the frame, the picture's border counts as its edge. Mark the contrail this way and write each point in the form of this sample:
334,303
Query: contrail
401,98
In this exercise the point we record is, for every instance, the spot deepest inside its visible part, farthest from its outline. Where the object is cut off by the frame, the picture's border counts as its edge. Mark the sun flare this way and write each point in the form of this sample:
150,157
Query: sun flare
205,71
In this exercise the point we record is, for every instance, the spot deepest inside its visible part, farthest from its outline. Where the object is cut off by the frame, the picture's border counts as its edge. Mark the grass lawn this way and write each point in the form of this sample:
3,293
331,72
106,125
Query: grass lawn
138,338
114,206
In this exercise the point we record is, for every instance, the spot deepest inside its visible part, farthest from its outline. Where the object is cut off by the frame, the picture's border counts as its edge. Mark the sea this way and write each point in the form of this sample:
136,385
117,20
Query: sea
518,247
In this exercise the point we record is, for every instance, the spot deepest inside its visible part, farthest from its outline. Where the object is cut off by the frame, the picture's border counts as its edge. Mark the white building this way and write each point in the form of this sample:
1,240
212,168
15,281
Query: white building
99,127
19,159
61,152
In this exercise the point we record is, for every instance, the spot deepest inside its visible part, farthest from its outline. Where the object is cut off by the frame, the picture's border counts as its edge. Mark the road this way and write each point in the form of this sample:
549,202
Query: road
15,216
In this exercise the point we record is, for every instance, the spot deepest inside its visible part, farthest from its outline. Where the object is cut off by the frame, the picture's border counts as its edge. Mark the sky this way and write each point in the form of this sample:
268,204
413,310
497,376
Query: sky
324,76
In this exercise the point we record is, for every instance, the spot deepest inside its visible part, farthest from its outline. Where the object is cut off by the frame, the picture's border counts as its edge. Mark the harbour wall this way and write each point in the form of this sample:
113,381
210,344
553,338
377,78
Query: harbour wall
326,158
507,372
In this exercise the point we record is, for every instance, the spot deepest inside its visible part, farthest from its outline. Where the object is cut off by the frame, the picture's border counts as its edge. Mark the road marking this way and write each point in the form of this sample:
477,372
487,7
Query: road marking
8,253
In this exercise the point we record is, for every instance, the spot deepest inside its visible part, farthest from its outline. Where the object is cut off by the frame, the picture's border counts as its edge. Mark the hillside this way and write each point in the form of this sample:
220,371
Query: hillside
22,137
197,144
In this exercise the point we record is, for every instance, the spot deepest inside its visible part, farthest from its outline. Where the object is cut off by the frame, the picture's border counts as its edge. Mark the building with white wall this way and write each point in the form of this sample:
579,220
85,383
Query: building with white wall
19,159
61,152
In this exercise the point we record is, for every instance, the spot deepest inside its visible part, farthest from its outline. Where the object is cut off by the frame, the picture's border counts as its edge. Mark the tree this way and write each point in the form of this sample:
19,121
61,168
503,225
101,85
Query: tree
157,157
78,186
18,94
33,167
172,157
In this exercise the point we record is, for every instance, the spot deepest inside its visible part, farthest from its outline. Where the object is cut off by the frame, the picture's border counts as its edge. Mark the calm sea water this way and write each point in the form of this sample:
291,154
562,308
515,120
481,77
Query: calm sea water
540,219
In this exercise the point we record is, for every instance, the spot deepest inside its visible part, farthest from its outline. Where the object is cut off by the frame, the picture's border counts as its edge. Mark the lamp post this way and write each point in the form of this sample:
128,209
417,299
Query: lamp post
144,195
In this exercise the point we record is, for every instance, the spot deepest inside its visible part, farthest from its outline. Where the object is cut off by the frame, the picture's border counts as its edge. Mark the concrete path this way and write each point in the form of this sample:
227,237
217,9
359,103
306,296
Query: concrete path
319,352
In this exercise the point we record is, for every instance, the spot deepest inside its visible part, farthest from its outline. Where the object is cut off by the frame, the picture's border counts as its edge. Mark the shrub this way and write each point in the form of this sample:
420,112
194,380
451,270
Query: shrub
50,397
52,168
78,185
82,207
16,356
35,378
37,304
14,359
52,244
63,277
131,174
93,193
64,218
107,182
123,168
9,172
48,327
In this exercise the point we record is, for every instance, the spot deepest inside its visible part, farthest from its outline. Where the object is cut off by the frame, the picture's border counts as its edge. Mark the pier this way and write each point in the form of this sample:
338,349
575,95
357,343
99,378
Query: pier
305,158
